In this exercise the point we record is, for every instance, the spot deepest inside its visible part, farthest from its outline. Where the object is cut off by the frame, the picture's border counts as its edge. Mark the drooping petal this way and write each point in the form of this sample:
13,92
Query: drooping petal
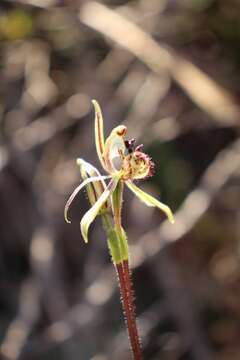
88,168
89,217
99,132
114,147
94,190
150,200
76,191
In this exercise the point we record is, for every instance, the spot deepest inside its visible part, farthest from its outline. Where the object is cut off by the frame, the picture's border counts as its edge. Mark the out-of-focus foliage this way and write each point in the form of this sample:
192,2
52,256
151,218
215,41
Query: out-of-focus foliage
59,297
16,24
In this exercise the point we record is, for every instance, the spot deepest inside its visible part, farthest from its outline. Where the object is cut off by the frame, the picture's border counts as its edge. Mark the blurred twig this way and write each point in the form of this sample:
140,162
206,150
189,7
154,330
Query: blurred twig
204,91
20,328
185,310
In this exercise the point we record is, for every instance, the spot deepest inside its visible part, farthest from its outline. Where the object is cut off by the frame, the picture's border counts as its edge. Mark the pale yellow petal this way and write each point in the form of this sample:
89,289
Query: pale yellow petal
76,191
94,190
150,200
89,217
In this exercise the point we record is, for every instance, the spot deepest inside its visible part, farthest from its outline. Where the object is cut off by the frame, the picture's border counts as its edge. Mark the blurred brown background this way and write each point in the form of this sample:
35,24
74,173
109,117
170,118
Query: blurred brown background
179,96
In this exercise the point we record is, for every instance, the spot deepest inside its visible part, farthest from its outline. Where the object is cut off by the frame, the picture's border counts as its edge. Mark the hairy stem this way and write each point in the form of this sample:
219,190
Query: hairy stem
126,290
117,243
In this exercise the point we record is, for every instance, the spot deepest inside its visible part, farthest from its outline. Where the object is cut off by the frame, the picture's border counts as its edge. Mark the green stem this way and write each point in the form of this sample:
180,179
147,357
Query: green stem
112,239
118,246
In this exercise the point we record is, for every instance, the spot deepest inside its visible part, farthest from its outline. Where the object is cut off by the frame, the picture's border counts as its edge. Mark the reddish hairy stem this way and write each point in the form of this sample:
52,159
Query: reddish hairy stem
125,285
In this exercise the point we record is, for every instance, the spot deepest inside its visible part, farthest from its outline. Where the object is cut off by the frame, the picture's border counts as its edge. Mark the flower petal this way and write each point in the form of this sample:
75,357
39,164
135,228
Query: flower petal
95,190
89,217
150,200
99,132
114,147
76,191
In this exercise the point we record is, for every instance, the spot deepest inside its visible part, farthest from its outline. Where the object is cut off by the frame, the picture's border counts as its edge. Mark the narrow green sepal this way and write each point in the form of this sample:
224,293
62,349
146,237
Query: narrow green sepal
76,191
150,200
99,132
94,210
95,189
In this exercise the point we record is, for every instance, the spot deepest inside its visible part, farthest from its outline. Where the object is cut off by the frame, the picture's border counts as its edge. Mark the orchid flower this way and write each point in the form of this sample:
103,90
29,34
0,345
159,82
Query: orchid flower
123,163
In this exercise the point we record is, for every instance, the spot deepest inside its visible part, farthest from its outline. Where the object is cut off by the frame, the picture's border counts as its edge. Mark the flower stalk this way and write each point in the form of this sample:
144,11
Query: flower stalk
124,276
118,254
126,289
106,200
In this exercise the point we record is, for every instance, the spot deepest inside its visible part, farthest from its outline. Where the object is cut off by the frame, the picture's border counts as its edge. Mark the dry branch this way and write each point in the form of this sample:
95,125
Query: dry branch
204,91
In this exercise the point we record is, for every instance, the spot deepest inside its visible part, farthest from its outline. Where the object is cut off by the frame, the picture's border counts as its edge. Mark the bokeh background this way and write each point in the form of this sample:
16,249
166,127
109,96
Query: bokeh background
179,95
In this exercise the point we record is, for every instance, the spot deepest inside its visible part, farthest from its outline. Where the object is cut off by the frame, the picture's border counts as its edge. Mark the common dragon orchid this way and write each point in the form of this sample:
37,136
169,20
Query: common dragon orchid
123,163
